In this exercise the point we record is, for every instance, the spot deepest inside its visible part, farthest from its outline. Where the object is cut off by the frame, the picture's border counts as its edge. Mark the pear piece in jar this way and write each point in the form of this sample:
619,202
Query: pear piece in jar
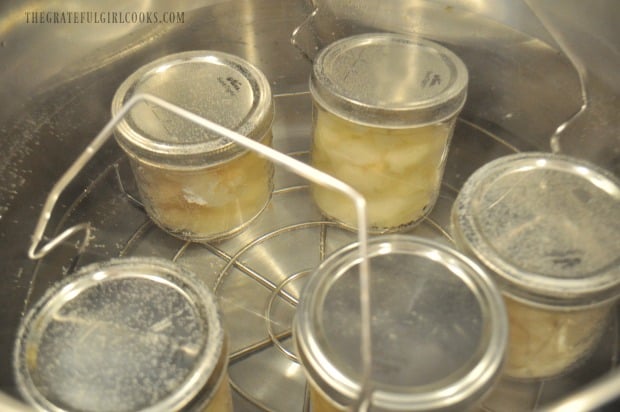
396,170
545,342
209,201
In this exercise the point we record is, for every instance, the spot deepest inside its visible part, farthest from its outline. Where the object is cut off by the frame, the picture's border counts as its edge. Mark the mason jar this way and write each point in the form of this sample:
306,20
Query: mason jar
195,184
548,229
126,335
439,328
385,106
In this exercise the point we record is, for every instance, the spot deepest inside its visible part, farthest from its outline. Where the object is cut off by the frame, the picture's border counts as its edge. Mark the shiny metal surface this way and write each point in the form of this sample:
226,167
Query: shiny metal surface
59,81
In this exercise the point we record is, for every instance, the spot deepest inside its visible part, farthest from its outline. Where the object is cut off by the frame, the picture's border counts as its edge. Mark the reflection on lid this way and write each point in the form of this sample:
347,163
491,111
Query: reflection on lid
124,336
548,223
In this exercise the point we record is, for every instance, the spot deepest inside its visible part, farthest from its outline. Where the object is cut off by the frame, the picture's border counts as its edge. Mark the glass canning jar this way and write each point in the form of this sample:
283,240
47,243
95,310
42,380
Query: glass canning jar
126,335
548,228
385,106
439,328
195,184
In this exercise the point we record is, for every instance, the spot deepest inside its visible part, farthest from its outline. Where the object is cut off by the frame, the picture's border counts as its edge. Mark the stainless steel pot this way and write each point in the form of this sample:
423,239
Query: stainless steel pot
59,79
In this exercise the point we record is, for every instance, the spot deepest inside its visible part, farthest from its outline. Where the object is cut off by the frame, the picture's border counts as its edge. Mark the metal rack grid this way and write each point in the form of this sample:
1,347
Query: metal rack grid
257,275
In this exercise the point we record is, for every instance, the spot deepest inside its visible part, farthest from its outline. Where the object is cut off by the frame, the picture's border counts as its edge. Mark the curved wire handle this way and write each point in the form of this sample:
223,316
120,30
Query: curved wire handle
556,34
296,166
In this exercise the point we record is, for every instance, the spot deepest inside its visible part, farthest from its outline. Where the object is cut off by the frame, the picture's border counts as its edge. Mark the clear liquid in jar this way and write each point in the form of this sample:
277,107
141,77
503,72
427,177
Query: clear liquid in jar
398,171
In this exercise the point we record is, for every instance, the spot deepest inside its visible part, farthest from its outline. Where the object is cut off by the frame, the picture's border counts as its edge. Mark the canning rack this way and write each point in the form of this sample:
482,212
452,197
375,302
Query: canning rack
233,261
294,165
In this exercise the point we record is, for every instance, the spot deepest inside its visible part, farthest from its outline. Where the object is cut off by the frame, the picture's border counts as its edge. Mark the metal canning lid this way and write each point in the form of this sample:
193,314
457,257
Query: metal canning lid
130,334
547,225
389,80
220,87
439,328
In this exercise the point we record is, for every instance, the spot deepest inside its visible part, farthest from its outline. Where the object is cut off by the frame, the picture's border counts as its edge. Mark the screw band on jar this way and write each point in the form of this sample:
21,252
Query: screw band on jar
385,106
195,184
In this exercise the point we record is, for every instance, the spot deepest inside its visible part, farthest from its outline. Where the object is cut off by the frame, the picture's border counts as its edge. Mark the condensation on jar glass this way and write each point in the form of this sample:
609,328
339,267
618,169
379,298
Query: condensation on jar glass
439,328
548,228
195,184
125,335
385,106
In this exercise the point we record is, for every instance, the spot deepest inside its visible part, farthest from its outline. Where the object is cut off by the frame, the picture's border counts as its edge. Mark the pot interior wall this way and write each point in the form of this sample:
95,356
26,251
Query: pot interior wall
59,80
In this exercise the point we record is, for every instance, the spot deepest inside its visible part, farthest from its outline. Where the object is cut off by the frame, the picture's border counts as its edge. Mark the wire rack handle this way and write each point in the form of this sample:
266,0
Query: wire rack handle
296,166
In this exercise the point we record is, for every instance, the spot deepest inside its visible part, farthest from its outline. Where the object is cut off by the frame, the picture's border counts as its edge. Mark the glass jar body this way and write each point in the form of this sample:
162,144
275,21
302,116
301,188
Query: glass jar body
219,398
545,342
207,203
216,395
222,399
397,170
319,402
